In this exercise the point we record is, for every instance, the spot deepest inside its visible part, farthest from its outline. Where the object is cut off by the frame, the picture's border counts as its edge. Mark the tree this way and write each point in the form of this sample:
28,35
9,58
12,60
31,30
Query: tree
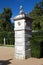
7,13
5,23
37,15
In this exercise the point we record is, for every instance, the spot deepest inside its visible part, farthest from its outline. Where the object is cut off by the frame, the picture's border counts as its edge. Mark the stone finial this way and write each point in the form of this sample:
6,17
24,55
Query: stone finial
21,10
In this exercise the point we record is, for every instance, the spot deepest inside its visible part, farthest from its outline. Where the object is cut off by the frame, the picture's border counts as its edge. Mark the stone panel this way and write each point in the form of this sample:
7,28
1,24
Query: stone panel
20,56
27,47
28,53
19,49
21,26
28,35
19,33
19,41
27,42
27,39
20,52
28,28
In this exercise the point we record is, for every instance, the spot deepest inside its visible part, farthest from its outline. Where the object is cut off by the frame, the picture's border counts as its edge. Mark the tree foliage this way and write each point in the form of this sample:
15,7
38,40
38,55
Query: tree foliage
5,22
37,15
6,27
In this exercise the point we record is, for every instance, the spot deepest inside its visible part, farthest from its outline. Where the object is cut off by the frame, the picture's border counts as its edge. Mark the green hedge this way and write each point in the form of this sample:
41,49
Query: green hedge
35,49
37,38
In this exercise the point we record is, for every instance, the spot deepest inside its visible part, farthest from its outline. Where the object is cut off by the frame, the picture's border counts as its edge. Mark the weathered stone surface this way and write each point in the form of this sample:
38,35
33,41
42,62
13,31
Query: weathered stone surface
19,49
20,56
19,41
27,42
20,52
19,34
28,53
27,47
27,39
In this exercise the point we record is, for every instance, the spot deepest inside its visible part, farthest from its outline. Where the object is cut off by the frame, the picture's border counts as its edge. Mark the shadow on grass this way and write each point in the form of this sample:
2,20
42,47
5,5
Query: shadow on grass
5,62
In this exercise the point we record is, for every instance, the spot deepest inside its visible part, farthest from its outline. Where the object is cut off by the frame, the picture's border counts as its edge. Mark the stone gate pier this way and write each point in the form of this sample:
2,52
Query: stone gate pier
23,30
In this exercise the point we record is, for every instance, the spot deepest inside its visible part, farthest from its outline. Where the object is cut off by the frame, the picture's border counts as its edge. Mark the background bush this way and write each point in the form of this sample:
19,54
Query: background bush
37,38
9,38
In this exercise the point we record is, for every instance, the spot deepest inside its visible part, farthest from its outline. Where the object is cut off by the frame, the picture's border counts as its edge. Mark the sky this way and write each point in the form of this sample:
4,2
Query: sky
28,5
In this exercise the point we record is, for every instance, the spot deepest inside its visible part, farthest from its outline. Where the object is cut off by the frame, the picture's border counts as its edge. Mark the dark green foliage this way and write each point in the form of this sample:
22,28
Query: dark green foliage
37,25
9,38
6,27
37,38
5,22
35,49
37,15
7,13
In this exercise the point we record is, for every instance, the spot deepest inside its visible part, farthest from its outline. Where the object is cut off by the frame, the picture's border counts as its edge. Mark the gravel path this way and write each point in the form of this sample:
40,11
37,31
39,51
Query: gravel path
7,58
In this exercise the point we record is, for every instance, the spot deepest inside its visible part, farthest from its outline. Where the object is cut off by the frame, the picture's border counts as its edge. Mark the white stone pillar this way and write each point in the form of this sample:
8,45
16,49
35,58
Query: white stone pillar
23,27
